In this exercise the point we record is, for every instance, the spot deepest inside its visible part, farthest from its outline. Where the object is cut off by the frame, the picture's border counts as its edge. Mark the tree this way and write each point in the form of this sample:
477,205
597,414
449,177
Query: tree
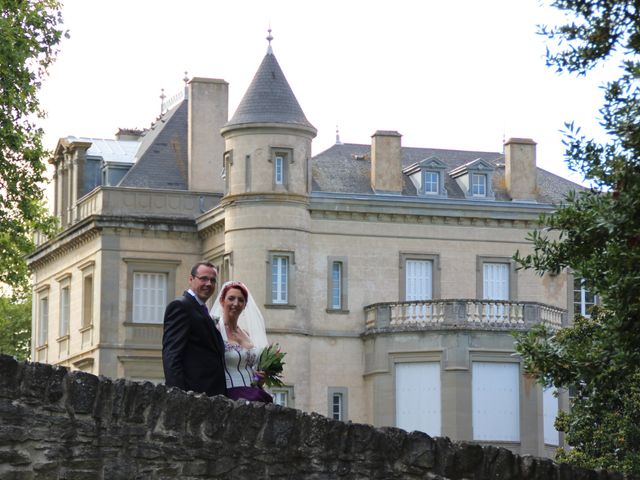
596,234
30,37
15,328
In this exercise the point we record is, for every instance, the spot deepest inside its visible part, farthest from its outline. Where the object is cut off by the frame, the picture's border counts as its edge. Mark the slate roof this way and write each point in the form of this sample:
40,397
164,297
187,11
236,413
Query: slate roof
110,150
161,161
346,168
269,99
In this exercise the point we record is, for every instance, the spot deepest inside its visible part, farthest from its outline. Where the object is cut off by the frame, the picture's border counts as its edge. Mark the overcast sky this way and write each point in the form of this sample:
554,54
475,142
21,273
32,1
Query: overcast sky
455,74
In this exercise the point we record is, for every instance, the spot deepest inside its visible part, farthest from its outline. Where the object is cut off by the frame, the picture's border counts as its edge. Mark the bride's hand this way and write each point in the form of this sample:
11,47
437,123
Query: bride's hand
259,378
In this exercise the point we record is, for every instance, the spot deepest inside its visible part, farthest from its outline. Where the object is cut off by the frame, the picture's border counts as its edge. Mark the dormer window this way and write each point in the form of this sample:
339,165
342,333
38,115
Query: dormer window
479,185
474,179
428,177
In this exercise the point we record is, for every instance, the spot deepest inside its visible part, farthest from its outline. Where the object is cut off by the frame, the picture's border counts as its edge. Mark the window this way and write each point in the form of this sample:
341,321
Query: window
151,284
337,284
419,274
336,408
495,398
337,403
149,297
43,318
280,279
583,299
87,301
550,412
283,396
419,282
418,397
478,185
431,182
65,300
281,158
495,281
279,169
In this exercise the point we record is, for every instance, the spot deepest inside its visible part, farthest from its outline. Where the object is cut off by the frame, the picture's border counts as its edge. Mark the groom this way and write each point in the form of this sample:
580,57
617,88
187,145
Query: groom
192,347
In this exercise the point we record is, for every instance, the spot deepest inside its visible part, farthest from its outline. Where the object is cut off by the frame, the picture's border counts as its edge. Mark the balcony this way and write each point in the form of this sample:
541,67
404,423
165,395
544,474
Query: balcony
464,314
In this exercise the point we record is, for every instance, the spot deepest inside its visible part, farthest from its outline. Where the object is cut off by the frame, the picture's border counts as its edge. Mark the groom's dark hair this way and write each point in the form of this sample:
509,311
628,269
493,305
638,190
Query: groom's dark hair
194,269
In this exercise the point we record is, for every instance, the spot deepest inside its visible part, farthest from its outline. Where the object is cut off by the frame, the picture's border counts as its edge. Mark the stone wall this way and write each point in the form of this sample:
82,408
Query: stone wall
56,424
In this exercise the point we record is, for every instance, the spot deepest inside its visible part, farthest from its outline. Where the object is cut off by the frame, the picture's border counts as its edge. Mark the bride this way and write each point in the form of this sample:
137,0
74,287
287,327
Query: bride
243,331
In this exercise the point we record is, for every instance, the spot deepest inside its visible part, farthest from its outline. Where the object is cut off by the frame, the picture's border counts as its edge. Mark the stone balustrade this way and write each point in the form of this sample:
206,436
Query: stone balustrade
462,313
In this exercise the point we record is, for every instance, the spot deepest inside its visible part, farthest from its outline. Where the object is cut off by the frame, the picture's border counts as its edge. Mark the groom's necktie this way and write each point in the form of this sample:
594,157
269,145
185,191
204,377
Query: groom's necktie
205,310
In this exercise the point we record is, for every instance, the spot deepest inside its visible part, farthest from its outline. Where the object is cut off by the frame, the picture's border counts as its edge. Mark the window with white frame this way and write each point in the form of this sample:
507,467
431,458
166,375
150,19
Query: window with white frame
281,158
280,279
478,185
65,304
583,299
43,318
337,403
431,182
282,396
495,281
495,398
336,406
279,169
419,279
149,297
337,284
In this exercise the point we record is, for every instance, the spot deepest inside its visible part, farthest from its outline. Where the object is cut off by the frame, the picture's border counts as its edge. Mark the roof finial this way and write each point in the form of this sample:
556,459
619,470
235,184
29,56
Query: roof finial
269,38
186,84
162,97
338,142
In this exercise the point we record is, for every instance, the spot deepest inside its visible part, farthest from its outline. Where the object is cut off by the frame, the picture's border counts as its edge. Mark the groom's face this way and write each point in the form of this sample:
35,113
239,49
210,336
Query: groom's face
203,283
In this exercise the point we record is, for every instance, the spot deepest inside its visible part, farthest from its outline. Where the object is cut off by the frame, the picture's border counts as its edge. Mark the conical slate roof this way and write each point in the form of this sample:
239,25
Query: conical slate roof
269,99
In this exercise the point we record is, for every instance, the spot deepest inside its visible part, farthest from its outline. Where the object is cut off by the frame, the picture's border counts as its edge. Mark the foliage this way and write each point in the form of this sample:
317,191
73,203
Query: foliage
596,234
30,36
270,366
15,328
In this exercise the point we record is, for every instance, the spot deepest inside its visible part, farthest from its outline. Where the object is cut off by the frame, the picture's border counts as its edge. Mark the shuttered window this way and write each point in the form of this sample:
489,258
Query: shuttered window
418,404
149,297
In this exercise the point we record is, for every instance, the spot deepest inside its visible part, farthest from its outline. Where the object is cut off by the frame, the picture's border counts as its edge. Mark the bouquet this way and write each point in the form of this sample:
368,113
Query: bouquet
270,366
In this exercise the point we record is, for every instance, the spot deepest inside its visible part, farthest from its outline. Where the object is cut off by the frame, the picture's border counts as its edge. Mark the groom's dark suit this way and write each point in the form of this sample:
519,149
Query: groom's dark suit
192,348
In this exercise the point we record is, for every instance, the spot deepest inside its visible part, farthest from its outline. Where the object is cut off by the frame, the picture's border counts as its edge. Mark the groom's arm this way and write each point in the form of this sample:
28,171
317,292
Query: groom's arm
174,343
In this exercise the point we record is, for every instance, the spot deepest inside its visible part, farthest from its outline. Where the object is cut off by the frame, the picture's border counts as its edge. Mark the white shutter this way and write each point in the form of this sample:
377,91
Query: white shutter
495,281
418,280
149,297
550,412
496,401
418,405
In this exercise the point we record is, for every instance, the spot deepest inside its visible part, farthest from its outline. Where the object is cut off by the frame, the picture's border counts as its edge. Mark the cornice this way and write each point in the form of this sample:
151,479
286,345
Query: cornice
93,226
263,198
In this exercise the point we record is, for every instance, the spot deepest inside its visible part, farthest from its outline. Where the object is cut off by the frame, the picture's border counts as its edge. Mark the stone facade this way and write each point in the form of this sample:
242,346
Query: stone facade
325,243
58,424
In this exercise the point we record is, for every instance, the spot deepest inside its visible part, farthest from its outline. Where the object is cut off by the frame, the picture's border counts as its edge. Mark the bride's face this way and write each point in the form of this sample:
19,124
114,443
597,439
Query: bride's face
233,303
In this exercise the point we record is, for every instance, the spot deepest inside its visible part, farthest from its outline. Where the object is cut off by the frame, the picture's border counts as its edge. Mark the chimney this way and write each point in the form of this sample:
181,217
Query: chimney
520,168
208,112
386,162
130,134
